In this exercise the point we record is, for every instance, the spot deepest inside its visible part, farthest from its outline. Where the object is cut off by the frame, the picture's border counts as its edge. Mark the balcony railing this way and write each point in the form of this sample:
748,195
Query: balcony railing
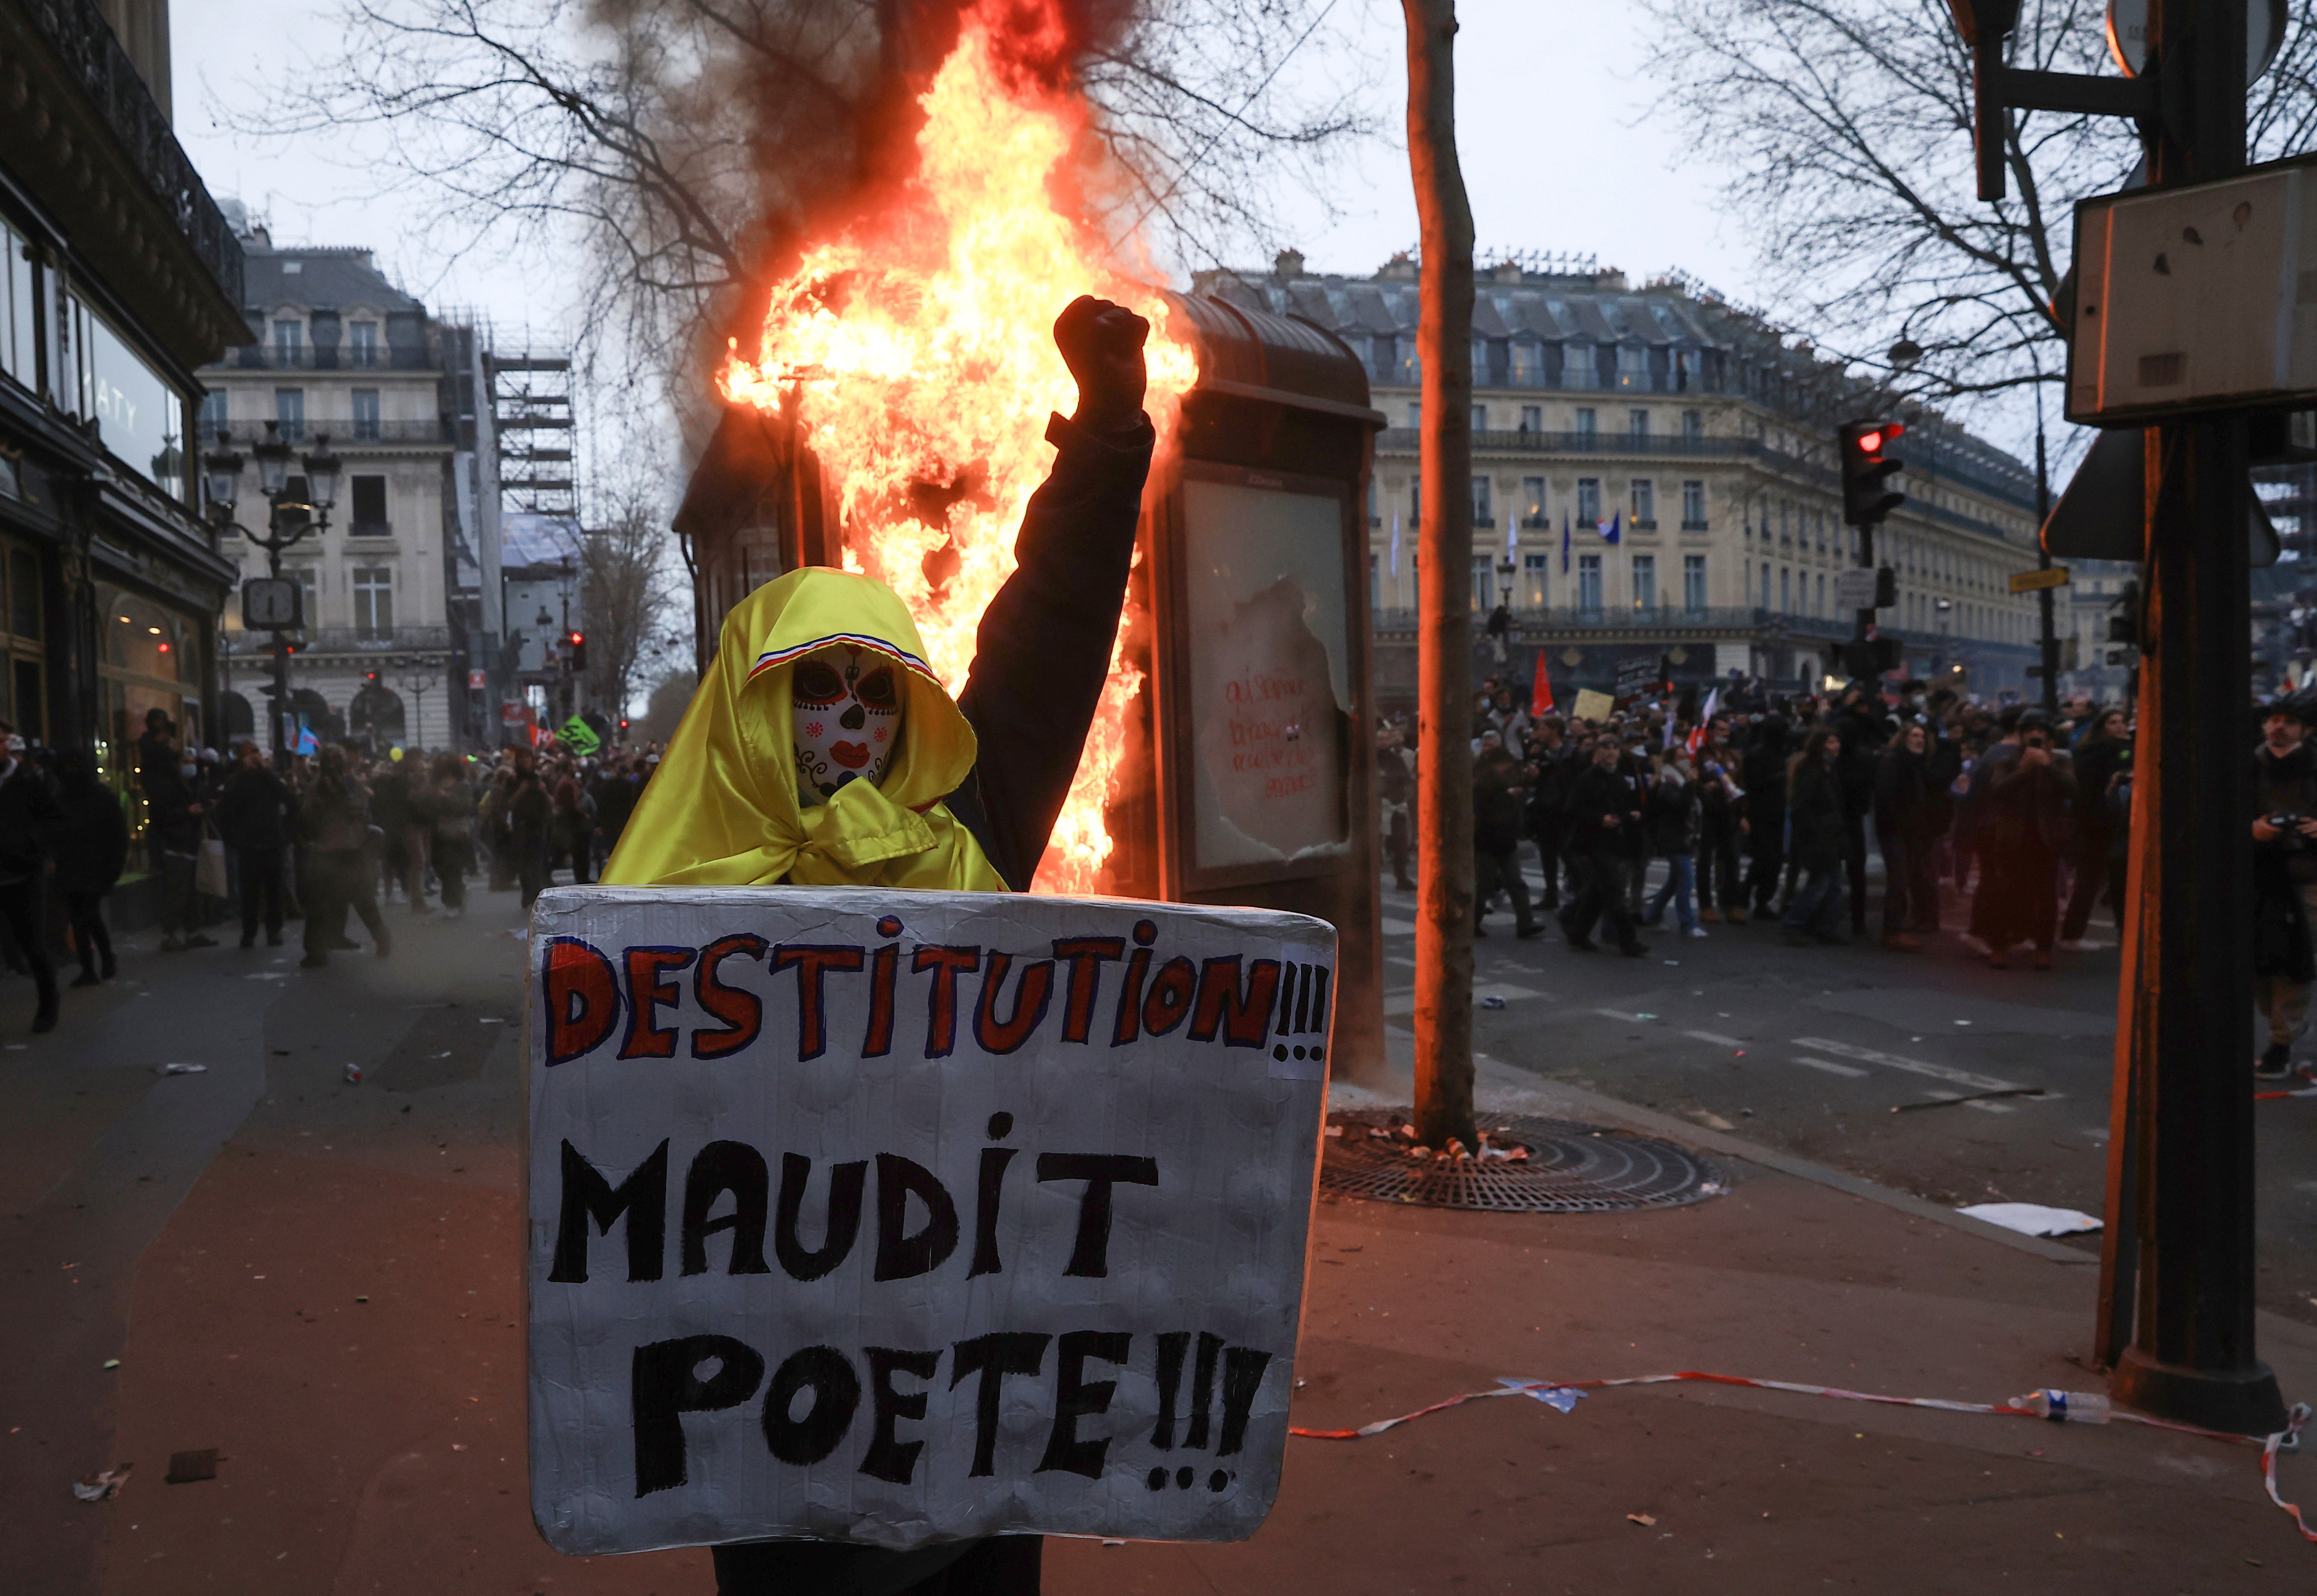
1664,617
344,639
309,357
343,431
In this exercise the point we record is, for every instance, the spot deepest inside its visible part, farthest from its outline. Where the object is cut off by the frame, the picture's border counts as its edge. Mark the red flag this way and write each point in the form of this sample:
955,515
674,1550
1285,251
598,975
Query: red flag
1540,701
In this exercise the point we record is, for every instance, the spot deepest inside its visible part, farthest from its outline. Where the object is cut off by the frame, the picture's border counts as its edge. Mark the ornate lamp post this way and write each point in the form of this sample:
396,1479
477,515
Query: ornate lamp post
289,521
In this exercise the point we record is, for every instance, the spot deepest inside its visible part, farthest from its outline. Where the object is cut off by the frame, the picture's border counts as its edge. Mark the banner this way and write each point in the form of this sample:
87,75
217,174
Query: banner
898,1217
579,736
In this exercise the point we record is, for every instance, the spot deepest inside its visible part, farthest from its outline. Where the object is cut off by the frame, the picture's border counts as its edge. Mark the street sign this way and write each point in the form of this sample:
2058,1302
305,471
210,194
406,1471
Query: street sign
2031,581
2188,299
1013,1196
2127,35
271,603
1854,588
477,680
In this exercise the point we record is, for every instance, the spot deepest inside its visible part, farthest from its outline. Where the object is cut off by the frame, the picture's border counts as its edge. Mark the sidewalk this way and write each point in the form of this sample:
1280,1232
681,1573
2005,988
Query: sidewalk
225,1227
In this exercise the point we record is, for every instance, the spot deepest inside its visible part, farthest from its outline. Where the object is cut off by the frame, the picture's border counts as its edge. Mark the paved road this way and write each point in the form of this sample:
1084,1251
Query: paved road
1838,1055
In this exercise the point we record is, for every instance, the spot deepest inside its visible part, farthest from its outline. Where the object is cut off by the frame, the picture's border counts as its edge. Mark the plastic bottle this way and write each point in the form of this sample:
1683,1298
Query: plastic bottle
2065,1407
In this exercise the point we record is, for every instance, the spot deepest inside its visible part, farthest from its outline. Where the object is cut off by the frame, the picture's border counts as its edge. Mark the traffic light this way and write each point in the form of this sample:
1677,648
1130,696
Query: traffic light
579,642
1866,469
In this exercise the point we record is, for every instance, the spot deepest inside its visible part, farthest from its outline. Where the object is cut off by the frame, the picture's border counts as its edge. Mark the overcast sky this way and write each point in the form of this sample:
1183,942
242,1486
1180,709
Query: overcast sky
1561,151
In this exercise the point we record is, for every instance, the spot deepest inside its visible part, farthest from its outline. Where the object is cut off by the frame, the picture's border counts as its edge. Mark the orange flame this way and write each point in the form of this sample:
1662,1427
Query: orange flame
916,354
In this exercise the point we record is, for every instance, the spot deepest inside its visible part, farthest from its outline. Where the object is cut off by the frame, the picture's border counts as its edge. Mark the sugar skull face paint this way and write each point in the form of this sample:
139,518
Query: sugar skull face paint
846,703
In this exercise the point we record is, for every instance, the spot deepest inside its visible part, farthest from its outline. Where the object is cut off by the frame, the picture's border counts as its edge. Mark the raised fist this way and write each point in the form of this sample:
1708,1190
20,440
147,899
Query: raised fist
1102,345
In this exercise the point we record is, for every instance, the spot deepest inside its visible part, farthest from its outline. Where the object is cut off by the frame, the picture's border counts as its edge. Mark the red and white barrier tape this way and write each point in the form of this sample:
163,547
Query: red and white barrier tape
2288,1436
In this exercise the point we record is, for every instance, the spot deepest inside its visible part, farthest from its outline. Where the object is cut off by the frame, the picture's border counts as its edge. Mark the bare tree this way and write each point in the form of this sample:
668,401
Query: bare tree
1846,125
685,145
627,586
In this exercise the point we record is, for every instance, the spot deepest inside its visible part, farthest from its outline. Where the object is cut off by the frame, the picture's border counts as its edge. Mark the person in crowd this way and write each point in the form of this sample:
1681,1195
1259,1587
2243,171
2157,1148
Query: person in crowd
2103,748
1604,807
1396,787
2030,790
174,818
613,794
1721,826
446,809
252,815
2284,877
1764,779
571,829
393,811
1672,816
157,746
30,821
1497,793
494,827
92,849
334,817
529,822
1904,836
1814,806
1860,722
1548,756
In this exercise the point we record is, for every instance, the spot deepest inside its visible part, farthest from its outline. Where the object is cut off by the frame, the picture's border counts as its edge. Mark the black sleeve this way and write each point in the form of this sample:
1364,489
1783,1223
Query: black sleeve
1044,649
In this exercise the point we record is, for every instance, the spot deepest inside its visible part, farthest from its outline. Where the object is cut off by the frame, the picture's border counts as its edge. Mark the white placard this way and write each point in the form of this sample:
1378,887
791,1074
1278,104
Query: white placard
897,1218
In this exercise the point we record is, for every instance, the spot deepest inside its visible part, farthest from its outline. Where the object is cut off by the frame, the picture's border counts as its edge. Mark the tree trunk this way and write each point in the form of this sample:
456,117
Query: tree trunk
1444,767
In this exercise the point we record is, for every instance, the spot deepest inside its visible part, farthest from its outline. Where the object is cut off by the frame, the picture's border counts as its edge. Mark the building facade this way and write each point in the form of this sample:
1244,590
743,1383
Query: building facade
1704,441
118,277
334,350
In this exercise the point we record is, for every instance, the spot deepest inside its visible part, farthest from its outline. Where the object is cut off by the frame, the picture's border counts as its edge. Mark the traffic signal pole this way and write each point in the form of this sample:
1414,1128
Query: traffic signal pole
2182,1075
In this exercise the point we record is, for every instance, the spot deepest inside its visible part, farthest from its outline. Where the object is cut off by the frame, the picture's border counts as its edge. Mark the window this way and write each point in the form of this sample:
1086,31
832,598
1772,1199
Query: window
1692,581
1645,502
1375,583
289,410
1693,506
374,604
366,415
19,330
364,337
1645,582
1528,364
1484,584
289,341
1415,414
1577,369
1637,424
1821,611
1765,584
213,415
1480,515
1479,418
1587,421
1532,501
309,592
1535,568
1588,581
1786,591
1693,425
1532,418
1588,499
369,518
1633,365
1414,500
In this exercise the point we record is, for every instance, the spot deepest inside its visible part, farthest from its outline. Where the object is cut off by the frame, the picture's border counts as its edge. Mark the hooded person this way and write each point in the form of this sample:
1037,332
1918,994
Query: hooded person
822,750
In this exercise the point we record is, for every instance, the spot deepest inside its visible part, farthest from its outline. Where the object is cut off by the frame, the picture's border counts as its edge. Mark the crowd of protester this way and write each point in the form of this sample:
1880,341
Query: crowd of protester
344,832
1767,809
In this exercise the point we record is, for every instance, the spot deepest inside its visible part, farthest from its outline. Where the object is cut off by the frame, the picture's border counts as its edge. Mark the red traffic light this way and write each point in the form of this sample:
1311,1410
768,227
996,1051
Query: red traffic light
1872,443
577,639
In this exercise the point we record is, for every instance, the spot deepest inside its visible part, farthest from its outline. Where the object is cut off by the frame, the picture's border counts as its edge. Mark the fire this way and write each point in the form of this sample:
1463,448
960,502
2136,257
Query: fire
914,354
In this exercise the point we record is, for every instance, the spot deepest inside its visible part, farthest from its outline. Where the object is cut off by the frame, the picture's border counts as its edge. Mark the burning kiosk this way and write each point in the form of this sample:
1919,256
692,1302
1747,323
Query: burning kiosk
1245,770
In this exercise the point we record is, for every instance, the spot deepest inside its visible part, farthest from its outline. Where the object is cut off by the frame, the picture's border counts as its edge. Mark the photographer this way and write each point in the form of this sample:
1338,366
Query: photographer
2284,877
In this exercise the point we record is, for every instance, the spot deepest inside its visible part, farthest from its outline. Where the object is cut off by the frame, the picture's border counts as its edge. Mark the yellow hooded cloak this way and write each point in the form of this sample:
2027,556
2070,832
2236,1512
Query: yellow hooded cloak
722,810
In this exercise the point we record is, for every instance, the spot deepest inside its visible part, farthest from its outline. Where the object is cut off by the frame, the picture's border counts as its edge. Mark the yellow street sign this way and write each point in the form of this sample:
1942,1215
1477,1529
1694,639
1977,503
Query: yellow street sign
2029,581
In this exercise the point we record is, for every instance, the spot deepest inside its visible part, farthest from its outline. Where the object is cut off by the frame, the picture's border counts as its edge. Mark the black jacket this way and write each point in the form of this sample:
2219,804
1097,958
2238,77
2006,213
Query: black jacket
1042,652
92,843
170,801
1764,776
1818,816
1496,807
29,820
1902,796
253,810
1593,796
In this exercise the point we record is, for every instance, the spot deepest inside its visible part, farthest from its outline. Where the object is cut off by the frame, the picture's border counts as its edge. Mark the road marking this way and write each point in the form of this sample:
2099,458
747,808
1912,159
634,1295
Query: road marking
1828,1065
1718,1040
1628,1019
1913,1067
1989,1107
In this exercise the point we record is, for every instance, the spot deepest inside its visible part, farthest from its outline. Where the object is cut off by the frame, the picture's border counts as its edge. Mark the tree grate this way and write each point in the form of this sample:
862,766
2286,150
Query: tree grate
1570,1169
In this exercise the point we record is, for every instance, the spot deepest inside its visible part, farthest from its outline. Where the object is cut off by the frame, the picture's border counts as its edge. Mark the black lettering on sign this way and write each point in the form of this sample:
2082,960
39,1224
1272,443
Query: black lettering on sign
664,1384
993,1357
741,1010
1244,1020
1243,1369
582,998
994,1160
846,1182
888,1459
835,1397
1086,956
739,1169
899,1255
1318,999
941,993
1173,1346
648,992
642,1197
1170,996
1090,1255
1203,1389
1076,1397
1031,996
811,963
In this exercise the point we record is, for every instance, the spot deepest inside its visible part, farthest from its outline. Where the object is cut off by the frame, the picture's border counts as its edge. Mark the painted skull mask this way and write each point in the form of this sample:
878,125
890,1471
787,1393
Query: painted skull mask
845,705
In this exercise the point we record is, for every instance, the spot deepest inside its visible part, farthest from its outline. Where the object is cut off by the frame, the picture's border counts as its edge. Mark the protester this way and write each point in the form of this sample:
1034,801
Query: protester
2103,751
1764,783
1497,793
2284,877
1672,815
253,817
30,819
174,821
1604,807
334,817
1816,839
2030,790
1903,836
92,849
448,808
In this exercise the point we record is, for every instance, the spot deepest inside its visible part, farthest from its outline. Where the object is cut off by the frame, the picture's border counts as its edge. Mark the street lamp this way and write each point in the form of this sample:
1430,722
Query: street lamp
286,523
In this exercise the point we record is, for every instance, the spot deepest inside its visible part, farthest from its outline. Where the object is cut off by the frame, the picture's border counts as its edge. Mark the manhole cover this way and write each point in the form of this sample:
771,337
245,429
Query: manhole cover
1570,1168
